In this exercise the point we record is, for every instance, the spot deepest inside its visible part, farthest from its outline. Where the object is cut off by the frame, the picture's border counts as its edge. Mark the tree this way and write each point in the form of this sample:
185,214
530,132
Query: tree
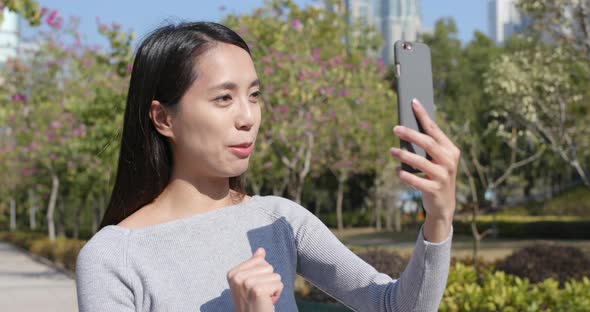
319,96
536,90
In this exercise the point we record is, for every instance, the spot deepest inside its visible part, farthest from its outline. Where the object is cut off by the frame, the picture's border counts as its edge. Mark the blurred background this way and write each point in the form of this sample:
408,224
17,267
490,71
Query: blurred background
512,90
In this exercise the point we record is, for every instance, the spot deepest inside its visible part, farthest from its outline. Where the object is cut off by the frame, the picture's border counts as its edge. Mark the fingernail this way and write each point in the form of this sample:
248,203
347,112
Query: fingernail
394,151
416,103
398,129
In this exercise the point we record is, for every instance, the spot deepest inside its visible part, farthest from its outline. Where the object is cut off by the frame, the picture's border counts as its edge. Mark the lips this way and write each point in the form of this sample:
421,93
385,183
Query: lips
245,144
241,150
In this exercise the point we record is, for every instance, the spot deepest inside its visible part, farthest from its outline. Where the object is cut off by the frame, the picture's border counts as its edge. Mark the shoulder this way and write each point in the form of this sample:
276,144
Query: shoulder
107,248
293,213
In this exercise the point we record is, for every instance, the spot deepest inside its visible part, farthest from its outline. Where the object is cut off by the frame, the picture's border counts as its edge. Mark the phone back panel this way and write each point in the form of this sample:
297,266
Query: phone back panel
414,80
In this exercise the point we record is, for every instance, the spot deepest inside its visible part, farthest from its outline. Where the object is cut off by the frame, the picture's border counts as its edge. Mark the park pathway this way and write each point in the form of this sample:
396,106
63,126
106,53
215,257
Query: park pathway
27,285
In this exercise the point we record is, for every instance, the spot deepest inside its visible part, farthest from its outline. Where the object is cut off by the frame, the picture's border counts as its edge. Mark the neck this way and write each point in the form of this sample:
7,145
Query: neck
184,197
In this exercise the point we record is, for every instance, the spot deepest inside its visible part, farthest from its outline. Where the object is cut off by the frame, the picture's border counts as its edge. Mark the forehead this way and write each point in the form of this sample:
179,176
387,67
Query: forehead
225,62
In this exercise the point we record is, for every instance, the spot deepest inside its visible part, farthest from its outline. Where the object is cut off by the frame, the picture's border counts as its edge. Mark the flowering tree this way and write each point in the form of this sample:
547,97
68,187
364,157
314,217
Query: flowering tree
64,107
325,102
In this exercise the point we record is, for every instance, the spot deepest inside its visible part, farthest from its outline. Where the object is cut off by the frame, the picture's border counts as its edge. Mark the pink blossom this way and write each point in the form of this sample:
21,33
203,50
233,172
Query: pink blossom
315,54
281,109
363,125
53,156
301,76
267,164
265,59
19,98
268,70
296,24
129,68
327,91
343,92
55,124
27,172
53,20
34,146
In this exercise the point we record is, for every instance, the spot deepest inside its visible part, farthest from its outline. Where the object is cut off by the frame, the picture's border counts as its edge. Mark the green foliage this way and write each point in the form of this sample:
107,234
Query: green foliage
519,227
62,251
499,291
574,202
29,9
326,105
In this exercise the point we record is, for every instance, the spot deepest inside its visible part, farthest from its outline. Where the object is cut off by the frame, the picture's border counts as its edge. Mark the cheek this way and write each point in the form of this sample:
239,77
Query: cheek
200,133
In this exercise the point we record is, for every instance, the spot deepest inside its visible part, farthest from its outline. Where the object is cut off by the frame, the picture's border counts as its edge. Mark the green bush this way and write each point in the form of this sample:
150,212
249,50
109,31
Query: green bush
548,227
498,291
21,239
63,251
575,202
350,219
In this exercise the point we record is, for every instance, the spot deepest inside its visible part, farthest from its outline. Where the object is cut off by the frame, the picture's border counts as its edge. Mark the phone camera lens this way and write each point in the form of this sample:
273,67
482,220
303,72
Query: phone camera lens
407,46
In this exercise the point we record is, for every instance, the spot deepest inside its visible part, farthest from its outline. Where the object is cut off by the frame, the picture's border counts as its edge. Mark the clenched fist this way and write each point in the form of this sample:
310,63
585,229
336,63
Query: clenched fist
253,284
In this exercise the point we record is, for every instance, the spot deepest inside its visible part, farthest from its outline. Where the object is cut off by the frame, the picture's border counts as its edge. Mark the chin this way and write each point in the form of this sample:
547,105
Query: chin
239,169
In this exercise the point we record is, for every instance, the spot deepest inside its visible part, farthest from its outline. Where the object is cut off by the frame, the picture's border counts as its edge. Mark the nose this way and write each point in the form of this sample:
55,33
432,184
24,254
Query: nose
245,117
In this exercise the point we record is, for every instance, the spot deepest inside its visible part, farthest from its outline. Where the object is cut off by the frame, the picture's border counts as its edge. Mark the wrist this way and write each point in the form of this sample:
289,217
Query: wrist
437,229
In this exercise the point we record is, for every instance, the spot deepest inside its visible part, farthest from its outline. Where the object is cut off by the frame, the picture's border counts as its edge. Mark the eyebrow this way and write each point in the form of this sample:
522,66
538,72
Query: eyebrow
228,85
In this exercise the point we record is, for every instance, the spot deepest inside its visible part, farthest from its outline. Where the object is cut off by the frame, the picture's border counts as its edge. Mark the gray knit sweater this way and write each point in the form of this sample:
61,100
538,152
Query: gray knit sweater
182,265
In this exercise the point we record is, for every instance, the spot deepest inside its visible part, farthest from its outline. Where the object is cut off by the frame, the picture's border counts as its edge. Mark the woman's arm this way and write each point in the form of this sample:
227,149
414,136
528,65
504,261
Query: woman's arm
328,264
325,262
102,282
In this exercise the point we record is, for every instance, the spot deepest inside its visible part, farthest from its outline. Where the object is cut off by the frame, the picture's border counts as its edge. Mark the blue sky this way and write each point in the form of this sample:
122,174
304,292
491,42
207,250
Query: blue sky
143,16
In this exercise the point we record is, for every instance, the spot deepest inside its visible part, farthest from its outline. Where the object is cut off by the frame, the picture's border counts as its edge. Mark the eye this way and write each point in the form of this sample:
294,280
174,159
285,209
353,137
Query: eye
256,94
223,98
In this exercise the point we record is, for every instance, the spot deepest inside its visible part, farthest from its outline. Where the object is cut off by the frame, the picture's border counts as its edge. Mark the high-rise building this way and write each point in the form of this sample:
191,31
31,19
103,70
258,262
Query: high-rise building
504,20
9,35
397,20
358,10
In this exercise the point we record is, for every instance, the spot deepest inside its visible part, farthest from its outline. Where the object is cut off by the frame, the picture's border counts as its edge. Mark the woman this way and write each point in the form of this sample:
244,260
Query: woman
179,233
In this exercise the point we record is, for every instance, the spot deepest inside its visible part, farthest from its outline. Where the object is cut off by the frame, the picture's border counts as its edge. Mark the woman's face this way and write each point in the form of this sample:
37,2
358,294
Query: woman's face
218,111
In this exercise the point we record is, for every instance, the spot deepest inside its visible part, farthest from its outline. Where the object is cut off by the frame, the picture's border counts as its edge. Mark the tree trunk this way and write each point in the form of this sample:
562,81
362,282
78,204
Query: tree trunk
318,205
12,214
398,219
61,216
51,206
77,218
95,202
582,173
340,198
32,209
377,216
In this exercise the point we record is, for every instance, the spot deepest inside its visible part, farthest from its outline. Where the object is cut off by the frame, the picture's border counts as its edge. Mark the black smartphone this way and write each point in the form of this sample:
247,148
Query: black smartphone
414,81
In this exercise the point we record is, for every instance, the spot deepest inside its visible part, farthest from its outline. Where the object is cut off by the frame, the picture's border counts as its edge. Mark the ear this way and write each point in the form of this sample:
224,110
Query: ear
162,119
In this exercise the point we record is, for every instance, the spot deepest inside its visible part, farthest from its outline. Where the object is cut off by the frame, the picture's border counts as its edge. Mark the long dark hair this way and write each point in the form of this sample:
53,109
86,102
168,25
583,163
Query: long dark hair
163,70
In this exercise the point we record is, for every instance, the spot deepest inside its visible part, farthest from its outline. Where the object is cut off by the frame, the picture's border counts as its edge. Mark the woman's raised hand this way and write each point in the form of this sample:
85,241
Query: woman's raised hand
438,186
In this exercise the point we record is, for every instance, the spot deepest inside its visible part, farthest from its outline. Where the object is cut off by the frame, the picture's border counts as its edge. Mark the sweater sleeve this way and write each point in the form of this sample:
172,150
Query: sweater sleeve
329,265
102,282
